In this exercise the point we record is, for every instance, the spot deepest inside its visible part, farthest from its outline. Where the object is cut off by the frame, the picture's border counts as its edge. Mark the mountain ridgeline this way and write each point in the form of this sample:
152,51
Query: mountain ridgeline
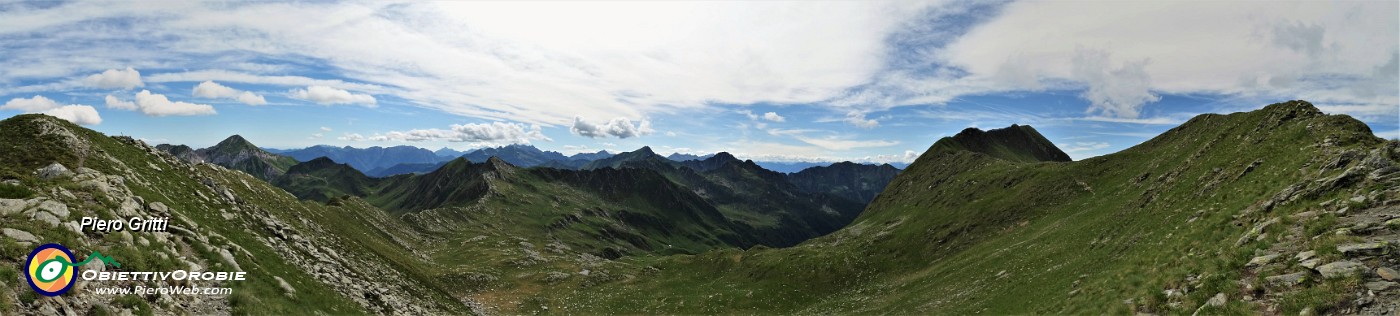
238,154
1281,210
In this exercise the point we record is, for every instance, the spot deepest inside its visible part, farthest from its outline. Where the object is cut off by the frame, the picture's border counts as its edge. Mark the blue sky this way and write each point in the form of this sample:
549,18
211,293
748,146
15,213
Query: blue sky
862,80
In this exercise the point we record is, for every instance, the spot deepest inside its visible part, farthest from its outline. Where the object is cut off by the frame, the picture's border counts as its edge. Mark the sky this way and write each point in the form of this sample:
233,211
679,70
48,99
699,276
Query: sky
868,81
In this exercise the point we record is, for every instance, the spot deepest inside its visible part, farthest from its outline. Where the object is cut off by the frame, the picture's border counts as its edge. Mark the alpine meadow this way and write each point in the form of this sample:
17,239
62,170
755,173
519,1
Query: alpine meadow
700,158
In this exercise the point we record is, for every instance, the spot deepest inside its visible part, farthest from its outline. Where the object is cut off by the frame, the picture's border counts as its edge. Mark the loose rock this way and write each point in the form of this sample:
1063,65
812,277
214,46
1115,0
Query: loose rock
1341,269
20,235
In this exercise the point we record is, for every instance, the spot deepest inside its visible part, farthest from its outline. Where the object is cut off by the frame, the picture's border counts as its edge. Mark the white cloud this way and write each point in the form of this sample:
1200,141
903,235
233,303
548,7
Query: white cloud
354,137
483,133
214,90
858,119
325,129
126,79
1273,50
37,103
1079,147
619,127
503,60
316,136
835,143
907,157
1146,121
1117,92
78,114
771,116
158,105
328,95
119,104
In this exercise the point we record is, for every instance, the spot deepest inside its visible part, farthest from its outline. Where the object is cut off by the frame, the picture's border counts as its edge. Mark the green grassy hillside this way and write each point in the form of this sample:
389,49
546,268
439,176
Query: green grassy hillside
1162,227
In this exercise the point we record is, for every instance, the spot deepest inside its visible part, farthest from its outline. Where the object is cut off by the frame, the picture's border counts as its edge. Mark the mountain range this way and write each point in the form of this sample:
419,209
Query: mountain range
1281,210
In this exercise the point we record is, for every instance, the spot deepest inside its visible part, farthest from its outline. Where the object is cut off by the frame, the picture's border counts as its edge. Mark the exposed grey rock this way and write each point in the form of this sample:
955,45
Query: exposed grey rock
1304,256
1387,273
1310,263
1291,279
1258,229
46,218
1341,269
54,207
1261,260
287,288
1370,248
20,235
227,256
12,206
159,208
54,171
1217,301
1380,285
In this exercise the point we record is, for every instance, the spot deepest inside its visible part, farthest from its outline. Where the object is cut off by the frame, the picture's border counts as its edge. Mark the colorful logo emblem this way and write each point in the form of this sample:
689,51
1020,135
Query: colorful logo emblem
50,269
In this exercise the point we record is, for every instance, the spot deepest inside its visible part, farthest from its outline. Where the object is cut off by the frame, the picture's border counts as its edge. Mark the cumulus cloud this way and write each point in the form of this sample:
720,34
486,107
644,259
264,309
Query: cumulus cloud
619,127
1117,92
158,105
325,129
354,137
126,79
772,116
485,133
76,113
119,104
328,95
37,103
214,90
858,119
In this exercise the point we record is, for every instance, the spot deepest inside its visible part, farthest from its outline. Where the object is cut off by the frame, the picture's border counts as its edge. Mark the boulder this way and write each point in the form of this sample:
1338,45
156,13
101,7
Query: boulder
1291,279
1368,248
54,171
20,235
1380,285
54,207
12,206
46,218
1341,269
1304,256
1387,273
1261,260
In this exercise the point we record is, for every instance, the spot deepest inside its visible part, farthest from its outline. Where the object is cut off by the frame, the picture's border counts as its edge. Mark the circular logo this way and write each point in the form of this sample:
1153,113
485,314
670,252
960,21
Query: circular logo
50,269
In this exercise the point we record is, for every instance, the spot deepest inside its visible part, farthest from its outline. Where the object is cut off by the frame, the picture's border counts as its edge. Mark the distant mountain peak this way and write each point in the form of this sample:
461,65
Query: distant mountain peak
645,150
235,141
1018,143
723,156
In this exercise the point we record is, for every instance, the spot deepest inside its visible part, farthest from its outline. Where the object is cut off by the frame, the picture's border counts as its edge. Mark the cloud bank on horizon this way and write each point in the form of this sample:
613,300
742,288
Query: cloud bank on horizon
861,80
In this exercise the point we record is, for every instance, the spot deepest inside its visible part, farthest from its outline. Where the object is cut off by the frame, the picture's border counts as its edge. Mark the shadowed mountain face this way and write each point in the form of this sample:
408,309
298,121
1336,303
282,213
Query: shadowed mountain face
518,155
322,179
238,154
853,181
367,159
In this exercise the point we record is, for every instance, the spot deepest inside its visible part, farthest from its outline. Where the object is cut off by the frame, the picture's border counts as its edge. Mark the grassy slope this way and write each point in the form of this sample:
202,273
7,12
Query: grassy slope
182,191
962,233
